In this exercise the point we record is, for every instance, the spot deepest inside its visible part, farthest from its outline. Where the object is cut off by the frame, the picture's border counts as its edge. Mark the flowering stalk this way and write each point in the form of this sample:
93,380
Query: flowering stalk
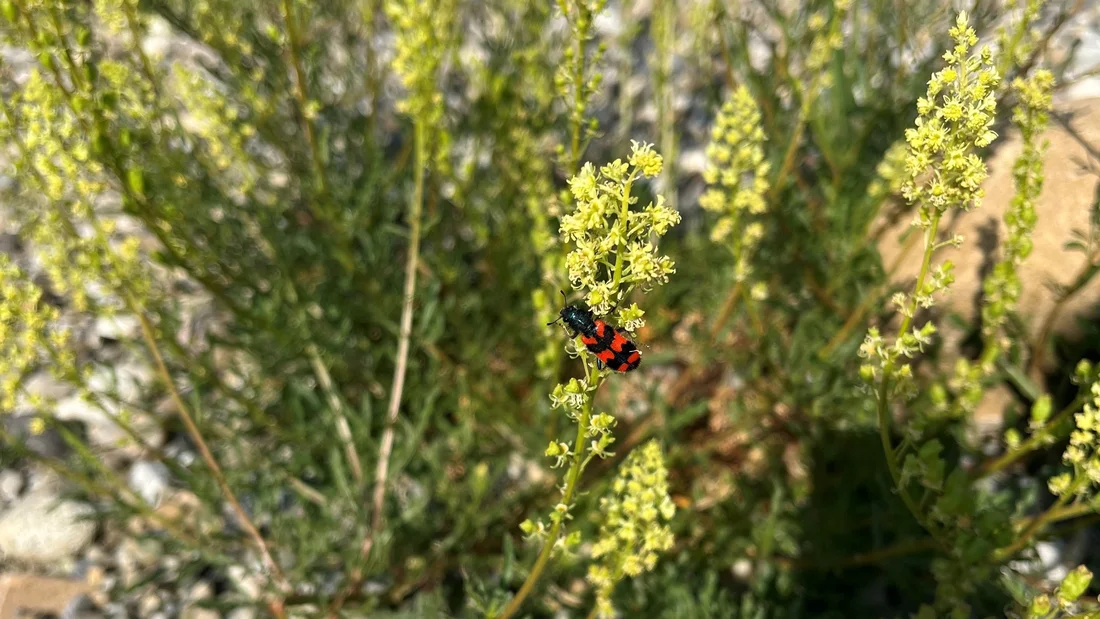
737,179
1001,290
943,172
615,252
575,83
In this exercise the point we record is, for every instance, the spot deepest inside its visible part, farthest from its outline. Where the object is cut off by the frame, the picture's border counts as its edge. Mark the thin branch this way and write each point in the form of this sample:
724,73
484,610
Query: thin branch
276,574
337,407
385,449
294,52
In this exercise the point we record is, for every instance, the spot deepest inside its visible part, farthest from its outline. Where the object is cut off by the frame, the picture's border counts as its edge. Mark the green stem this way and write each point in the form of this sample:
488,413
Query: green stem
1035,441
925,266
891,461
336,405
571,479
884,387
582,25
1057,512
624,216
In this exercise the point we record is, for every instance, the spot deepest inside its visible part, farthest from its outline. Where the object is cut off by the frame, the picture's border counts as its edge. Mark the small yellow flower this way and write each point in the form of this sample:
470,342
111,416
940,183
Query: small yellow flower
37,426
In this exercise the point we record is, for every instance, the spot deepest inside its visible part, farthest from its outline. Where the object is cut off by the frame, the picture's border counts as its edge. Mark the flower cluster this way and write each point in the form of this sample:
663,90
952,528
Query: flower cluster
1064,604
737,175
574,397
616,244
214,121
424,34
1016,44
616,251
576,81
75,248
634,529
1082,454
890,172
954,119
28,331
827,37
942,171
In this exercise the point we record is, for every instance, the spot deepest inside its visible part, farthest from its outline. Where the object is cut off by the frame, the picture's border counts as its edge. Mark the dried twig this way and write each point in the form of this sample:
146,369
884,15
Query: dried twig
276,574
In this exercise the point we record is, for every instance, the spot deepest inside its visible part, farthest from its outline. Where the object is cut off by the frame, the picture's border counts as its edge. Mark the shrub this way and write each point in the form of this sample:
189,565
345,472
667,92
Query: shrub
376,205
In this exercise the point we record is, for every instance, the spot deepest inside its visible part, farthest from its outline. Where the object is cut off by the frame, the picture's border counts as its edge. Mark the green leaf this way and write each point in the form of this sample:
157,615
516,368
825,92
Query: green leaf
956,493
135,179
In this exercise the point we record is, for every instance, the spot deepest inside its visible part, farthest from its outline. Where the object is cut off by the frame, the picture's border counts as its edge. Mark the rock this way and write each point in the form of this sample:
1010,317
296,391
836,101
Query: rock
80,607
27,594
102,431
42,529
44,385
149,604
127,379
149,480
248,583
11,484
127,564
191,610
242,613
48,443
118,327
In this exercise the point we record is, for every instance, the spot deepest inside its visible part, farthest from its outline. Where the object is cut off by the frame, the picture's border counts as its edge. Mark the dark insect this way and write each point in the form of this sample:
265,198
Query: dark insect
606,342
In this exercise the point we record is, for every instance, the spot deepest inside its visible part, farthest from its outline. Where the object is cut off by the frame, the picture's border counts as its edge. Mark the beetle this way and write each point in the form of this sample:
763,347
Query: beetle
610,346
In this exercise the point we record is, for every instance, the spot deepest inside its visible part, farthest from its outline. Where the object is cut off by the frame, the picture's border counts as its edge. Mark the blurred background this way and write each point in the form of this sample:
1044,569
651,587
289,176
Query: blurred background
209,210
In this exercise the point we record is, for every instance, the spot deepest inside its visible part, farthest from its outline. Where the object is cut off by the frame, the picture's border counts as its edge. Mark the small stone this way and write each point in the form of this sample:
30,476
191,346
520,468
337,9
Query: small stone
44,385
48,443
118,327
96,556
11,484
202,590
103,432
149,604
42,529
149,480
191,610
242,613
248,583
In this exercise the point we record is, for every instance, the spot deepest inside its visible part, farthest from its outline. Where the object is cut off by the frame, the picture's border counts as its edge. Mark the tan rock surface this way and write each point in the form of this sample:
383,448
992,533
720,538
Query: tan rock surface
31,595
